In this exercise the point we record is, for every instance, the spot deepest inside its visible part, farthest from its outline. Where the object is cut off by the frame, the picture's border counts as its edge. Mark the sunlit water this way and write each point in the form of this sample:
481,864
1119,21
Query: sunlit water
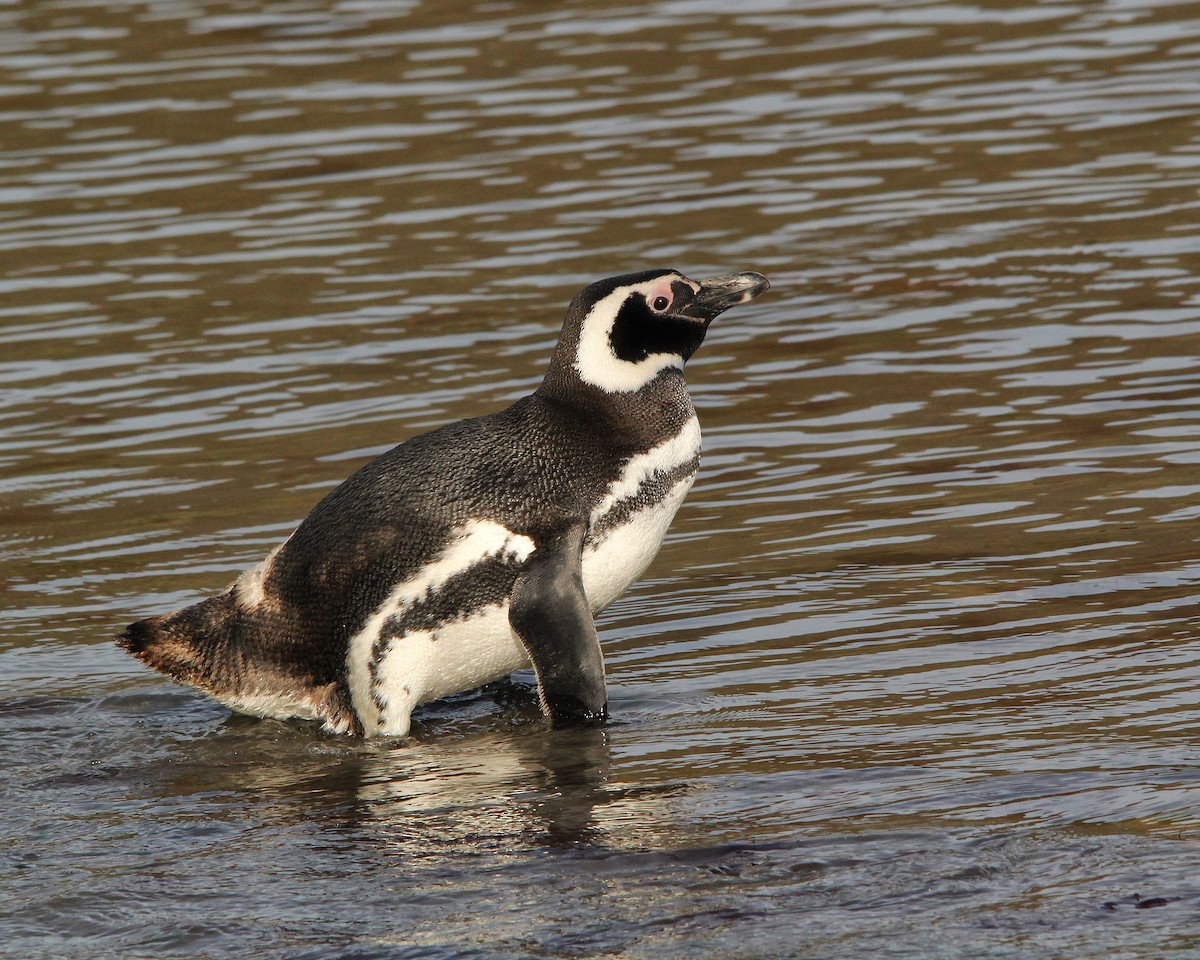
916,673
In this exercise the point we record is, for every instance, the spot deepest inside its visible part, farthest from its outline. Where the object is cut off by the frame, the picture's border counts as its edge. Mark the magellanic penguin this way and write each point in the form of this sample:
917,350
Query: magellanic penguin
475,550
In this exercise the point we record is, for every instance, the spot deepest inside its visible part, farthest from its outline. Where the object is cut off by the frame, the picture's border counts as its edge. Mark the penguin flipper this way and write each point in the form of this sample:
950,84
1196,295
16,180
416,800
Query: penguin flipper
550,615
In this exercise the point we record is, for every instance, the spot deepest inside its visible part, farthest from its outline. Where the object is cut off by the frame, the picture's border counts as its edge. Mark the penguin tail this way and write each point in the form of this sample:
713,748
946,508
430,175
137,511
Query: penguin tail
186,644
222,650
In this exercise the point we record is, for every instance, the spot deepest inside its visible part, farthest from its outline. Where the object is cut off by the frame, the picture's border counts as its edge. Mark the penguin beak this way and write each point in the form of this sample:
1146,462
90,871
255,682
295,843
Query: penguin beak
720,293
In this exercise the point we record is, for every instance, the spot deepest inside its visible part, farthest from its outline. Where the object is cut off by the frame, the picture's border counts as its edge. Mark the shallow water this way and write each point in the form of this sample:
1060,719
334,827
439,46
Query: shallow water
915,674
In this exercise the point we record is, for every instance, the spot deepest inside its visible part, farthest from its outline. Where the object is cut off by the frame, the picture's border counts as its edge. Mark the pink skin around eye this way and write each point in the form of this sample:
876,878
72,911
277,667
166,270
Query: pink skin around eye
662,289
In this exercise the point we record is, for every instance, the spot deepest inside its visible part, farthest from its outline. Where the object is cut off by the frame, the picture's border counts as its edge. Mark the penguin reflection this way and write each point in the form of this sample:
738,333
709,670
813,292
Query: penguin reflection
542,784
443,783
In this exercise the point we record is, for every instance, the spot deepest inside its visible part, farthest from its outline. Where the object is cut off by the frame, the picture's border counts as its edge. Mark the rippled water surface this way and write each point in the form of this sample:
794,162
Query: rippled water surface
916,673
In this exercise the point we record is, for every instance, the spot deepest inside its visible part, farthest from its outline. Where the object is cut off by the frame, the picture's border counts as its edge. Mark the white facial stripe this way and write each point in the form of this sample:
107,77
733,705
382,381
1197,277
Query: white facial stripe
671,453
595,361
472,543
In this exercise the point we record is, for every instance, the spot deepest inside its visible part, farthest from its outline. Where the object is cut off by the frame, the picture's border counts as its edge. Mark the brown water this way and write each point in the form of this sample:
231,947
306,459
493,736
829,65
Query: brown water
916,674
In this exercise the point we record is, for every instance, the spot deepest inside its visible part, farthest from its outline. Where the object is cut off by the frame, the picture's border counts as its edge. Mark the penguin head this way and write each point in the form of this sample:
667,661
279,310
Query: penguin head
621,333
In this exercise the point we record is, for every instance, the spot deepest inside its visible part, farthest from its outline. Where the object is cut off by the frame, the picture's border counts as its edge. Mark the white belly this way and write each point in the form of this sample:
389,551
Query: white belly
388,679
426,665
615,557
611,564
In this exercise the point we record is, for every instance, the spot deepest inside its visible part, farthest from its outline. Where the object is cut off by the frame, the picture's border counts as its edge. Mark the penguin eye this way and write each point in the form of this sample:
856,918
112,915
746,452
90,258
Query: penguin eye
661,303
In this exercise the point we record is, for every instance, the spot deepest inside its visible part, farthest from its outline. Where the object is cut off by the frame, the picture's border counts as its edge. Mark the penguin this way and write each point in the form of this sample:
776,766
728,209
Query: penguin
480,548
